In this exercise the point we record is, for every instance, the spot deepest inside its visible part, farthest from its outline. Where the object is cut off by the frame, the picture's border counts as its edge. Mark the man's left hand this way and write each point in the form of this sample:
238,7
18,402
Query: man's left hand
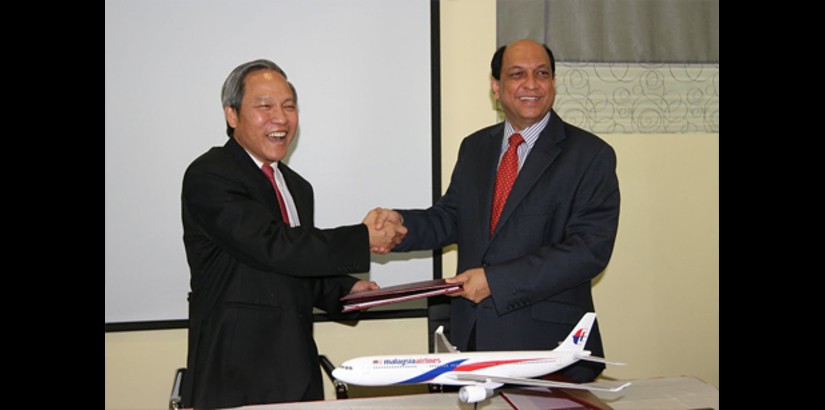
475,285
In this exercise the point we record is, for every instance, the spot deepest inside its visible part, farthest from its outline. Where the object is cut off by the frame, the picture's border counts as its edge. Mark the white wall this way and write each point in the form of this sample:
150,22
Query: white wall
361,97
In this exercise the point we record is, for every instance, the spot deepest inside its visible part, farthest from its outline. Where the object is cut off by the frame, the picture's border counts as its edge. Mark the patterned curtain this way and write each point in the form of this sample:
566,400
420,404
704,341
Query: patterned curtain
649,66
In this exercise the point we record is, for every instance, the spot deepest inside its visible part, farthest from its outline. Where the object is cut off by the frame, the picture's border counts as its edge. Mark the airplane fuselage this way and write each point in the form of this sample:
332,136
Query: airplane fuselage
479,373
443,368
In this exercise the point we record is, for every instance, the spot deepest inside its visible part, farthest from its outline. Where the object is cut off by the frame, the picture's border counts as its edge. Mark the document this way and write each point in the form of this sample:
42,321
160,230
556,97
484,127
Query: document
542,398
398,293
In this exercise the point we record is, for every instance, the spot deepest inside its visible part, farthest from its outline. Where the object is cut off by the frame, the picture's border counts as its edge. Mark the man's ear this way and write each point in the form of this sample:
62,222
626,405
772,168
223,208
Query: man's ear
231,116
494,84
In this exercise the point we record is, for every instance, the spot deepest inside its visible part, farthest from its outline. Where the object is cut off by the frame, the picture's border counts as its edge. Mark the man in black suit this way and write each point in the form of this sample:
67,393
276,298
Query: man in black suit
258,265
527,278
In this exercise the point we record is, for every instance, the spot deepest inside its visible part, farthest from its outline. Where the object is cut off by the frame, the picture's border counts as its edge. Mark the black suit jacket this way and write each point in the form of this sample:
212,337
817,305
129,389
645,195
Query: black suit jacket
555,234
255,281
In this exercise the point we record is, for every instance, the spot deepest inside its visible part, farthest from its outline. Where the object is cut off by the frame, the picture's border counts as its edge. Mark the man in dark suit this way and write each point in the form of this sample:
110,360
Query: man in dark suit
527,279
258,265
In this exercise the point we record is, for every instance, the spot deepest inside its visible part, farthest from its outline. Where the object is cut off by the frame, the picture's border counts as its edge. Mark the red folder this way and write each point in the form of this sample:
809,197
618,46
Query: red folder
398,293
541,398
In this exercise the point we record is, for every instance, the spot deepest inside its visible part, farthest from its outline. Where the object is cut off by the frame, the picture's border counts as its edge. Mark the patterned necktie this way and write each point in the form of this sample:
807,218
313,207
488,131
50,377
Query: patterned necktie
270,173
507,172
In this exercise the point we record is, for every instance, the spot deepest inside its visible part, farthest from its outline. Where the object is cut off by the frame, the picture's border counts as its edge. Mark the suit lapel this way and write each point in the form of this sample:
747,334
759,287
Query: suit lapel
257,178
546,150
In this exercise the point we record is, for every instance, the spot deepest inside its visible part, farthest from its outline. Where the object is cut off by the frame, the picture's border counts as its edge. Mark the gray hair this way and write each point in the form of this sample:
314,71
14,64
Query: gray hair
233,87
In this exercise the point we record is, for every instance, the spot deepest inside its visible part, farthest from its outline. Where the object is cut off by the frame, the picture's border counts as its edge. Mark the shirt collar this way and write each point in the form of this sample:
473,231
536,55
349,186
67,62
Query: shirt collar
530,134
274,165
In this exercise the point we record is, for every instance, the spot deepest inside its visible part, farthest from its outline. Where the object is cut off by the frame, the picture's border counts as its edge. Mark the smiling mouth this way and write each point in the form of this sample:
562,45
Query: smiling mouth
528,99
277,136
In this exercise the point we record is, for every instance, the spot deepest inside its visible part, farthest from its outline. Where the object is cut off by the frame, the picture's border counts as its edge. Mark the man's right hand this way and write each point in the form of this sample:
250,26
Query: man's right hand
386,229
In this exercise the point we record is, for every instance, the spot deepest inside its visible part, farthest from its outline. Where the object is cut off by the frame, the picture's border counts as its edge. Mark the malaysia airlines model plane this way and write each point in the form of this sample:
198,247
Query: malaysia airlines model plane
480,373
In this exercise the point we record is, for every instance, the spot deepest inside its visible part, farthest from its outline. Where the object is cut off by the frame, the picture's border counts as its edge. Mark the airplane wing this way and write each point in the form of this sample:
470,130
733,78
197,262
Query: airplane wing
537,382
441,344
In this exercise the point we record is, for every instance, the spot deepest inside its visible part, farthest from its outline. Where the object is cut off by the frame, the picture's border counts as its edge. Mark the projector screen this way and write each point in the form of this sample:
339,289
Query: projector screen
362,70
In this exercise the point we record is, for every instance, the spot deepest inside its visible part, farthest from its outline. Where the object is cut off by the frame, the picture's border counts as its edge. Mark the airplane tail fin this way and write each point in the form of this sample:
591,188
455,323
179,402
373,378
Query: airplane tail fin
440,342
577,338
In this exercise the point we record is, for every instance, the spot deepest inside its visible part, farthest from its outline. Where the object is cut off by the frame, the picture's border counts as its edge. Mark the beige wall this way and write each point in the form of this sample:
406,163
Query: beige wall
658,300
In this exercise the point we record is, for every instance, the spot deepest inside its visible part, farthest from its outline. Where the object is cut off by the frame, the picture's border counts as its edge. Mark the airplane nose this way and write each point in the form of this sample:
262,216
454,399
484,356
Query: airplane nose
336,373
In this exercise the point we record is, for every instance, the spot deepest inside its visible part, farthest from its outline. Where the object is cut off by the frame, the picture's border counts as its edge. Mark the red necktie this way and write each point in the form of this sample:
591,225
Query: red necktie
270,173
507,172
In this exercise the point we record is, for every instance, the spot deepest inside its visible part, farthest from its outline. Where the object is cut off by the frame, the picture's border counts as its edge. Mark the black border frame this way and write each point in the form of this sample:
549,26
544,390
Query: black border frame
435,114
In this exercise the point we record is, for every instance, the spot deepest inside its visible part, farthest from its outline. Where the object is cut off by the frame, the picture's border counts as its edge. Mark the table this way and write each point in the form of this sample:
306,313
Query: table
660,393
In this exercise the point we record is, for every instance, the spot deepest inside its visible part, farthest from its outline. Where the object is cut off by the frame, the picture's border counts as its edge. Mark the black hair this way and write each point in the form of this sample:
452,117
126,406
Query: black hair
498,56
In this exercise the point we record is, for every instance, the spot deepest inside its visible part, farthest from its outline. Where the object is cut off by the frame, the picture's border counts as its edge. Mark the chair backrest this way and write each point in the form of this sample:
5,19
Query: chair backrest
438,314
341,389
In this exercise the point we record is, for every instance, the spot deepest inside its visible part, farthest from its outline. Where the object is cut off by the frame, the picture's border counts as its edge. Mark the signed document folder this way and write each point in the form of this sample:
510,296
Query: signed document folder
399,293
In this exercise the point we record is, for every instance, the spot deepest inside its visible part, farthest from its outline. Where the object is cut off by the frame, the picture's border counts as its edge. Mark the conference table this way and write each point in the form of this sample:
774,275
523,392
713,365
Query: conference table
660,393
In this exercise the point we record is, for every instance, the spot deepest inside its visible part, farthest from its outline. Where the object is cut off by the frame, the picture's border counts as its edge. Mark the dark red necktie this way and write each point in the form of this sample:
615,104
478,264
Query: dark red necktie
507,172
270,173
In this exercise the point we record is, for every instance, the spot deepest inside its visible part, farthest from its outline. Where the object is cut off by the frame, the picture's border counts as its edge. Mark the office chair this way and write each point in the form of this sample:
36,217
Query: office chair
438,314
341,389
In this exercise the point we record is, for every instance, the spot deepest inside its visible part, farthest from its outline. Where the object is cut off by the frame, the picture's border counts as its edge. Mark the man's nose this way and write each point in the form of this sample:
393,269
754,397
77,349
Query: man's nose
531,81
278,116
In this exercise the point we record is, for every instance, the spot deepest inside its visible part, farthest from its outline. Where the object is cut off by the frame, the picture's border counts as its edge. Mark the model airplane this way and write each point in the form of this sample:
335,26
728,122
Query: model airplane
480,373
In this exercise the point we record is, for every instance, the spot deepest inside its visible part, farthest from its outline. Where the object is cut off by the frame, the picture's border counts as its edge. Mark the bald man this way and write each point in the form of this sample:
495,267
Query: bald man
528,259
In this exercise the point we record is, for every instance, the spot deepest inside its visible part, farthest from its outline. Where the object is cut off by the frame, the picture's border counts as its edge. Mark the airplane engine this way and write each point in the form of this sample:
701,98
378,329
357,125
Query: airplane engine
473,394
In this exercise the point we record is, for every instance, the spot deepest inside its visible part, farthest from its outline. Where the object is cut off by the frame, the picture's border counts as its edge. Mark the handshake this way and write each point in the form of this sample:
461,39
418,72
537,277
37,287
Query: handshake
386,229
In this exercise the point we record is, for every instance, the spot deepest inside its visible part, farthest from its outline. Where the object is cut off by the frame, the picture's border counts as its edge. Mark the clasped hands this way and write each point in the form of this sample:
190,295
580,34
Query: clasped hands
386,229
